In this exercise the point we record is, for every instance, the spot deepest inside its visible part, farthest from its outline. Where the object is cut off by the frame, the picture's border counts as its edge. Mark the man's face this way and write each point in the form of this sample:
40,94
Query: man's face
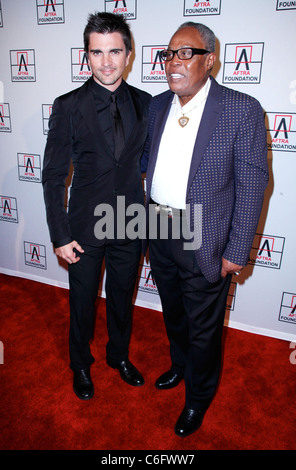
107,58
187,77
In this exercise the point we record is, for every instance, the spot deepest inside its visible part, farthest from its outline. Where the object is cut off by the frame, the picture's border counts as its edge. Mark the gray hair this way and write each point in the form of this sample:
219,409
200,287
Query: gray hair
206,33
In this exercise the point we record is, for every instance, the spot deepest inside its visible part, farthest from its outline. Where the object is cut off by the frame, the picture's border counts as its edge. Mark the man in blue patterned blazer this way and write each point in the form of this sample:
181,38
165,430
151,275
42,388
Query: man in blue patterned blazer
208,166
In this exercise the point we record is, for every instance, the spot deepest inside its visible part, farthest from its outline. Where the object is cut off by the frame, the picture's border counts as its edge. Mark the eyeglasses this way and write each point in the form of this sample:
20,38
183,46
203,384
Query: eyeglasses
185,53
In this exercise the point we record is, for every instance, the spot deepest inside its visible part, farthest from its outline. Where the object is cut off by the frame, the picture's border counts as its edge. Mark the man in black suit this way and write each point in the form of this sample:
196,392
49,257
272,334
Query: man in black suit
83,129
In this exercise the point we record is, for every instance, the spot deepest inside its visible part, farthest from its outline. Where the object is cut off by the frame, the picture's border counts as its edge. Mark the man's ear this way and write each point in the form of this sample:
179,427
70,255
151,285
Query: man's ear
211,60
128,56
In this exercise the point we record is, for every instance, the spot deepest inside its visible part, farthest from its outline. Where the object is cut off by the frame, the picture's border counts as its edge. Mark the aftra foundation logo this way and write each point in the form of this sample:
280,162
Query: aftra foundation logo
267,251
46,112
23,65
50,11
152,67
35,255
8,209
193,8
81,71
288,308
281,129
243,63
5,122
127,8
146,281
29,167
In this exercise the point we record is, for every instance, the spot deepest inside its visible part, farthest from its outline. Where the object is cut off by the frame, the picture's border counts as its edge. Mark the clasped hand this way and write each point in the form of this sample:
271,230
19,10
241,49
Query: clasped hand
67,252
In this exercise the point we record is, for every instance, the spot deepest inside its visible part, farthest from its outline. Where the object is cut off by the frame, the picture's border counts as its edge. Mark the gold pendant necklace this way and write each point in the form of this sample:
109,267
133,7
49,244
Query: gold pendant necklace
183,121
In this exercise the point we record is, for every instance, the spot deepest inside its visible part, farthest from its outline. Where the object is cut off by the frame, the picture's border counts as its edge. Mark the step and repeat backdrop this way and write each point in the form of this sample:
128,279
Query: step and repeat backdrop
41,51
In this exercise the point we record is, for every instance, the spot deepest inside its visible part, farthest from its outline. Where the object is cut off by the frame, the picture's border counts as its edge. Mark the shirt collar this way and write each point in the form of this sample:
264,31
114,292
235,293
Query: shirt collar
104,94
197,100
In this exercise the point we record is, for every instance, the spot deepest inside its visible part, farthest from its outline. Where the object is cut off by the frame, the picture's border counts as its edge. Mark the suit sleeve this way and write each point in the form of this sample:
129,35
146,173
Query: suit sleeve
145,155
56,164
251,178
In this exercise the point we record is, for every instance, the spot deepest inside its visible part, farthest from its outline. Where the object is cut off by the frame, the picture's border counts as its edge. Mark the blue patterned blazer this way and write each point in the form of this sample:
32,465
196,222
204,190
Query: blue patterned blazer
228,173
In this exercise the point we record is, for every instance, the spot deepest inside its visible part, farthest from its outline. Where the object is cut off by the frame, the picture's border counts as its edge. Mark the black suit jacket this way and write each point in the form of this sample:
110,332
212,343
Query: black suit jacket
75,135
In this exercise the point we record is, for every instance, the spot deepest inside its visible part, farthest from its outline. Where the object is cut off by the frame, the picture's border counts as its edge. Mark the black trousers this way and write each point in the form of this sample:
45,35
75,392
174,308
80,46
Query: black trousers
121,264
193,311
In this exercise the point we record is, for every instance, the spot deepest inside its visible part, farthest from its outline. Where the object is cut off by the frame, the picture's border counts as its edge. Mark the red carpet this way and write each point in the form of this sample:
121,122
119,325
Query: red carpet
254,407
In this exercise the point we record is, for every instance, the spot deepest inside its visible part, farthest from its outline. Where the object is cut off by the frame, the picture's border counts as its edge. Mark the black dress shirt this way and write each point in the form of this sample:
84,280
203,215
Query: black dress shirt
102,97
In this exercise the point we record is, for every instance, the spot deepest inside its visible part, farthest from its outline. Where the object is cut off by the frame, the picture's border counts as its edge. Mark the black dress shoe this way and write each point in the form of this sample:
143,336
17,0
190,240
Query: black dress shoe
82,384
128,372
189,421
169,379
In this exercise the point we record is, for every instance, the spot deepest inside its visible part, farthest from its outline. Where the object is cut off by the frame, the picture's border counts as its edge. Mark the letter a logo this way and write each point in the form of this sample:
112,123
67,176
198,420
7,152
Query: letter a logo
282,127
83,61
29,166
22,63
117,1
157,60
150,278
243,59
34,252
6,205
265,247
50,3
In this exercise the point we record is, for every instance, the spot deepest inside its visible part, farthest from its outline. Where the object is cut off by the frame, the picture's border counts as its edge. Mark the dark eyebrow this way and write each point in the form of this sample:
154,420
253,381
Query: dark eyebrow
111,50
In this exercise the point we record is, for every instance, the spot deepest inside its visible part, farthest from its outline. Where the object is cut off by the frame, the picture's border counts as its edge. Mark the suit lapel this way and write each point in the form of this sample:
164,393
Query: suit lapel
89,113
155,138
212,112
138,117
87,108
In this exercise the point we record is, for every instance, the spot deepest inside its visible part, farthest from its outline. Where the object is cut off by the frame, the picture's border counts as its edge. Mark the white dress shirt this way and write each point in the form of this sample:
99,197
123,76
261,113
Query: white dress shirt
169,184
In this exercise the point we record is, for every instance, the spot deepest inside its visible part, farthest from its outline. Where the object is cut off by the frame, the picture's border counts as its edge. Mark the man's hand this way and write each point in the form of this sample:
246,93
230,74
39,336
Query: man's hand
66,252
229,268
